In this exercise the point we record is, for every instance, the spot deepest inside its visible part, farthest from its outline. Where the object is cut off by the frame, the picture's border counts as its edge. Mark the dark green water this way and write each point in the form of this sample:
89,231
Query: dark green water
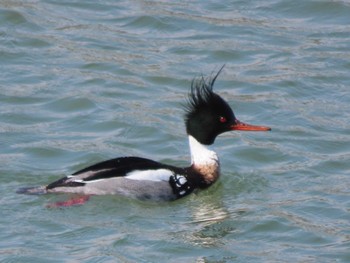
85,81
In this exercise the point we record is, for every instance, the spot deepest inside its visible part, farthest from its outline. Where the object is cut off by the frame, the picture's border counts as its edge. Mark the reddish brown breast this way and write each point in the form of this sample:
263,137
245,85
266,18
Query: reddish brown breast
209,172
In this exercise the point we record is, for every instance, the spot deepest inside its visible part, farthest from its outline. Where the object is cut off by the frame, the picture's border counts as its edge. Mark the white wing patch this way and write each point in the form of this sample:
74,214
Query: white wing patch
80,178
74,178
150,175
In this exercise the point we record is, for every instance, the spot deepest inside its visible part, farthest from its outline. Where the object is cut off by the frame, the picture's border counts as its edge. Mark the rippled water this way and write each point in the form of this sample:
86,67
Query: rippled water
85,81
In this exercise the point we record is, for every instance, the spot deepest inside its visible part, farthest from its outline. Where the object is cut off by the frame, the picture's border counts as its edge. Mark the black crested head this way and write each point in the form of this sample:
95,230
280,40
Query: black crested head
207,114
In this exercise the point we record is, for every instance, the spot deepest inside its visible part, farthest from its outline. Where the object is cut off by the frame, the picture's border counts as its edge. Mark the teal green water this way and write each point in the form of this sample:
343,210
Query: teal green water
85,81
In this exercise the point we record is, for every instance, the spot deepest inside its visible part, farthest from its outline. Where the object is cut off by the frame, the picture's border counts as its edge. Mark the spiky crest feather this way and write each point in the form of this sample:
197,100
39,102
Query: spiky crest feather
201,93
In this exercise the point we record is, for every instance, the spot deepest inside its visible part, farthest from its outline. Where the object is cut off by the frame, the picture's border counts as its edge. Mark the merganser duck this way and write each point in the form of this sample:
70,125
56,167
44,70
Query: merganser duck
207,115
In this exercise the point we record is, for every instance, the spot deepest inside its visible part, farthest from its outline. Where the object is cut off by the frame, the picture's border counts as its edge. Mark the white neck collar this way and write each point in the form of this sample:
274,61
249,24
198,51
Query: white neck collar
200,154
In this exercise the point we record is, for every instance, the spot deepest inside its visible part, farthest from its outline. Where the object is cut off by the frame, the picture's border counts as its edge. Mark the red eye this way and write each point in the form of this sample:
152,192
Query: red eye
223,119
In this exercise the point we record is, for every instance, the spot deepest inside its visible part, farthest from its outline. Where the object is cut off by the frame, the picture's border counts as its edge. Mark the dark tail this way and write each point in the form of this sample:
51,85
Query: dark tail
37,190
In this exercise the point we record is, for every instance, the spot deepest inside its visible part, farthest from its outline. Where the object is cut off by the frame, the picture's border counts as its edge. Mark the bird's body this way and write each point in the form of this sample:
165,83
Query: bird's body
207,115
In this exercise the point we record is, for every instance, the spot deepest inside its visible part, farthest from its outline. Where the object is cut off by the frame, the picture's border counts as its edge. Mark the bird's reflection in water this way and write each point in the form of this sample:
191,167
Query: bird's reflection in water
212,221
